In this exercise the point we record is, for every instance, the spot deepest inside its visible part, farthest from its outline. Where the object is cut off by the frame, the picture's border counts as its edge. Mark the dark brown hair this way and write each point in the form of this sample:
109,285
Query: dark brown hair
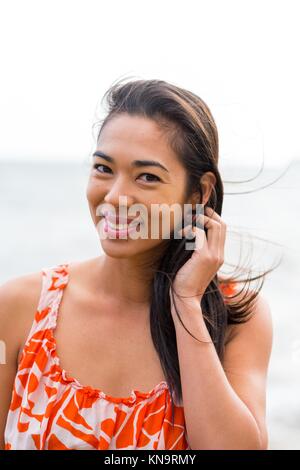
192,133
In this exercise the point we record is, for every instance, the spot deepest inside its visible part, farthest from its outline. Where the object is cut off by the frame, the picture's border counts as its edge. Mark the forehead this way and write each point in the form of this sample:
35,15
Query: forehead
136,137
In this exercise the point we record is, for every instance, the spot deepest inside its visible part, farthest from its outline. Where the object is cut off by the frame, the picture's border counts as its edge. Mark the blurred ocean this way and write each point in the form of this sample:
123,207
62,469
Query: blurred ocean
44,220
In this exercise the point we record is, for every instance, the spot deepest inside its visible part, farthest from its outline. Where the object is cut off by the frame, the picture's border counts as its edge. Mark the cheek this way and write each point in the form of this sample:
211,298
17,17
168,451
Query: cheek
93,197
93,193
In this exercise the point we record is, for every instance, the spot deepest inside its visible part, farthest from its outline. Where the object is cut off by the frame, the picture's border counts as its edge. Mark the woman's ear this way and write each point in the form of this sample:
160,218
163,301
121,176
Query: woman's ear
207,181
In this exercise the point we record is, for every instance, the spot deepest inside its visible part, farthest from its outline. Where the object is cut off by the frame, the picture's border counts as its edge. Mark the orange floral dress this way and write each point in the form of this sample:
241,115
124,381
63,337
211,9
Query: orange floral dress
51,410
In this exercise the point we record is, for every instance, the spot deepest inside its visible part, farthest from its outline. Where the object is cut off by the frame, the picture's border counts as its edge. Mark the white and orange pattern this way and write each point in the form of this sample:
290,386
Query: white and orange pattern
51,410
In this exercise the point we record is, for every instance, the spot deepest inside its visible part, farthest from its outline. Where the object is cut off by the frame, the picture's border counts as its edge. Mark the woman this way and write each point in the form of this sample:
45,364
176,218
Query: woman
144,347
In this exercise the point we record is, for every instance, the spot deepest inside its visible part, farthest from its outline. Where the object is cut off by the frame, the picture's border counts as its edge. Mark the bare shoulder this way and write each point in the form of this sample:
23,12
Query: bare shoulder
246,361
20,291
258,326
260,320
18,300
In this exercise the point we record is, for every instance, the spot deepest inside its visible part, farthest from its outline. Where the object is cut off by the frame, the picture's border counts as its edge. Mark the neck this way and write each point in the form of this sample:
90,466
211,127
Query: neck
128,279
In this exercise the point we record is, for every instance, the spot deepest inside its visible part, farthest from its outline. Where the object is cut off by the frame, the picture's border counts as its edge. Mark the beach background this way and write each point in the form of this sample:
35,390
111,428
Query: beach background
45,220
57,61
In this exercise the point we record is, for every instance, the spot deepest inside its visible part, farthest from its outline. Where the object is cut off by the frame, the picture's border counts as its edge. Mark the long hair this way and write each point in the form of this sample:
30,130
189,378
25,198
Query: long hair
192,133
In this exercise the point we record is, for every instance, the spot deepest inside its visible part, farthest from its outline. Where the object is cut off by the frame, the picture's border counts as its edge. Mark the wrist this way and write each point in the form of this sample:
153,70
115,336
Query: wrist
188,301
189,306
190,313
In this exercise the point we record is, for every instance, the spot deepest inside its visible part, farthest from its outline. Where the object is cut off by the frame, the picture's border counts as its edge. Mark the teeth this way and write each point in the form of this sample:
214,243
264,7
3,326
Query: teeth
118,226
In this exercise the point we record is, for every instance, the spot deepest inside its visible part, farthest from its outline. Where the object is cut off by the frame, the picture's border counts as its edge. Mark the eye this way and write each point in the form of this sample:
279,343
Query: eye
97,165
151,176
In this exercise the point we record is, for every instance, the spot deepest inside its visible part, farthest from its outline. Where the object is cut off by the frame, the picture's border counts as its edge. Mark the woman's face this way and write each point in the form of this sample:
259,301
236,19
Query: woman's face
126,139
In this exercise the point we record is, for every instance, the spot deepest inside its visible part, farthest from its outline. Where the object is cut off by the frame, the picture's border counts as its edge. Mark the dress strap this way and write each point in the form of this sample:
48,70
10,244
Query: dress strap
54,280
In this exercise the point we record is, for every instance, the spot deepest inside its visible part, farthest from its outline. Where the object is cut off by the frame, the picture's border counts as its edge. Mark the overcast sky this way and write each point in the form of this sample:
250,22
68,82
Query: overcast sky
58,57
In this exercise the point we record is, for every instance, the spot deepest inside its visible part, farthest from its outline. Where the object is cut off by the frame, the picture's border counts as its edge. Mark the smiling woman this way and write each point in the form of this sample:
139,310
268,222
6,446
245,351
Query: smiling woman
166,353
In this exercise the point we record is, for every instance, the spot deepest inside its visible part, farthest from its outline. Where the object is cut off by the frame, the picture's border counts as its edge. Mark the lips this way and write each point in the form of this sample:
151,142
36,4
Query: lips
116,219
114,226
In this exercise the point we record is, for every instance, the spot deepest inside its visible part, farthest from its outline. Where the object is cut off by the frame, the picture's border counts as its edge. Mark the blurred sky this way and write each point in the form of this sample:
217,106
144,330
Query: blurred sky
58,57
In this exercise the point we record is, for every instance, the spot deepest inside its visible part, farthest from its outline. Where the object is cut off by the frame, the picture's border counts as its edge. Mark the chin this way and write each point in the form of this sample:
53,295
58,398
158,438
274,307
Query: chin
118,248
121,248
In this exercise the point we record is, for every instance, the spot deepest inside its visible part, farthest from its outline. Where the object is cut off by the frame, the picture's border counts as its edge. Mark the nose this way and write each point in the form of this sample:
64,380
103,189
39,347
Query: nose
118,188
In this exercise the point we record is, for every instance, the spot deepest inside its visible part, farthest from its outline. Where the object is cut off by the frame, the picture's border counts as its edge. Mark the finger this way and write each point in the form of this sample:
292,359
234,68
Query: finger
217,234
215,238
197,234
219,219
200,239
213,214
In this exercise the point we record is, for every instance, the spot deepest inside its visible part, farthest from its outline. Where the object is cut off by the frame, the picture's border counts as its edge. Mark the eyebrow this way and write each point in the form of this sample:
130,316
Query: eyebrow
135,163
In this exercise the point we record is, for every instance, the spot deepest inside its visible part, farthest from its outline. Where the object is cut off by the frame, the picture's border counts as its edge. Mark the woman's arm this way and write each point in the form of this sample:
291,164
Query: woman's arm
224,406
9,350
18,300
